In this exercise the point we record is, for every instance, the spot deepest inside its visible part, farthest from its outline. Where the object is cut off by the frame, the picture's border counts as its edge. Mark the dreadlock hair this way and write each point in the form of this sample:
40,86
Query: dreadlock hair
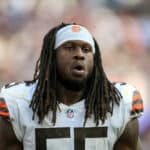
100,96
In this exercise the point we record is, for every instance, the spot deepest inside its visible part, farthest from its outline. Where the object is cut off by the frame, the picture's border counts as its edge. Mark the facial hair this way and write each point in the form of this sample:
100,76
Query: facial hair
70,84
73,84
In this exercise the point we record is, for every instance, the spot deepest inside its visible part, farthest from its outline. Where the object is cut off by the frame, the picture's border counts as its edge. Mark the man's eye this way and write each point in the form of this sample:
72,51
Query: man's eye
86,49
69,47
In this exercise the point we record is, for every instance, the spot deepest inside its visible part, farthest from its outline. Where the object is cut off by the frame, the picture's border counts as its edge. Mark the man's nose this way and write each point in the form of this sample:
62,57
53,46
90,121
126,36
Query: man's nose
79,54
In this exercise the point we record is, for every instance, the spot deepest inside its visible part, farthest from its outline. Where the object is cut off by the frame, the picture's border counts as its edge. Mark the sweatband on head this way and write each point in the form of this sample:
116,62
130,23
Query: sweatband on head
73,32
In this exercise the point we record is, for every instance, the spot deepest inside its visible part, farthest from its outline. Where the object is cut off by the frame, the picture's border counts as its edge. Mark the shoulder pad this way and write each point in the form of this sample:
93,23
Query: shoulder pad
125,88
131,98
17,90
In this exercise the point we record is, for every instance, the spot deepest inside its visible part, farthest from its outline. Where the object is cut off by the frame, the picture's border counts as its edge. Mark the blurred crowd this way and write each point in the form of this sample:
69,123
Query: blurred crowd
122,29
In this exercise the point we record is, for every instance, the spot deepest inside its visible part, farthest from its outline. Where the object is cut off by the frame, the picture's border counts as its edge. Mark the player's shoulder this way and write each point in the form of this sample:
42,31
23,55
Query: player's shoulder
131,97
14,94
18,90
125,87
127,90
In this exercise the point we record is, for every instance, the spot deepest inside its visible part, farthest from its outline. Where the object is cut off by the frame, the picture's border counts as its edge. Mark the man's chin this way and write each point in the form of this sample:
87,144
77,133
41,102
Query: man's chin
77,85
73,84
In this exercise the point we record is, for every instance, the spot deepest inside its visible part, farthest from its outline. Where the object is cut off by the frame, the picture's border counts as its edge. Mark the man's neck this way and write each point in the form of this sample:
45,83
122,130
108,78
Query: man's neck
69,97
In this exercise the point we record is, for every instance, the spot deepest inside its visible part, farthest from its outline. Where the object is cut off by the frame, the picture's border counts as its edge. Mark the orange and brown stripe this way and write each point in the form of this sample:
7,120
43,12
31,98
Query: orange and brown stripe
4,109
137,103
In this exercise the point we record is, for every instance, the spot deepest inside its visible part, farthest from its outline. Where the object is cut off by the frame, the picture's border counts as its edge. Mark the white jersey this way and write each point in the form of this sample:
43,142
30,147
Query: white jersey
68,133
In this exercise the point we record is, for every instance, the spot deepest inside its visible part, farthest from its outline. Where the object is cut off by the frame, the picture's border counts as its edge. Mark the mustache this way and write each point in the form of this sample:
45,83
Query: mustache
78,65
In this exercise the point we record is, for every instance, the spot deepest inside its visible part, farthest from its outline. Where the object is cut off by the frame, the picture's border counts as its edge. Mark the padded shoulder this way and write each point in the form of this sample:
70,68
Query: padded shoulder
20,90
131,99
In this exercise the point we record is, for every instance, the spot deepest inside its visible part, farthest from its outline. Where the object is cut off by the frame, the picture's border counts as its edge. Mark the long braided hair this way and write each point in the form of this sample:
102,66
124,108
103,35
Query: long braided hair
100,96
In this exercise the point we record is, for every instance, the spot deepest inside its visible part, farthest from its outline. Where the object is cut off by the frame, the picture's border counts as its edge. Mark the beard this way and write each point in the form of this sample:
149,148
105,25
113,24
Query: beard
73,84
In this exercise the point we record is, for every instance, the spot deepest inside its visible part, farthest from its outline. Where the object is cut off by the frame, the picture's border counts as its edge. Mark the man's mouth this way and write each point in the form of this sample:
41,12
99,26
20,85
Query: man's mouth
78,70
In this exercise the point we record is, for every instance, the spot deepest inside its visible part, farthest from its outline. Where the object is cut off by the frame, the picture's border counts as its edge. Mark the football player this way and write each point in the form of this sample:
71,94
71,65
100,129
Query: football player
70,104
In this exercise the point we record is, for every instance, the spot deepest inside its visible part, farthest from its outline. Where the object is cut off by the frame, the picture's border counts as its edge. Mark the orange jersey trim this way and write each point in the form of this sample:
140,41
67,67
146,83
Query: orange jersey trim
137,97
4,109
6,114
3,105
137,103
137,106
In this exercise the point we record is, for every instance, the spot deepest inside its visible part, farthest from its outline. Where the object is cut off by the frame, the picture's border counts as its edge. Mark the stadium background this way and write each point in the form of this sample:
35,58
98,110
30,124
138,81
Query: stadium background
121,27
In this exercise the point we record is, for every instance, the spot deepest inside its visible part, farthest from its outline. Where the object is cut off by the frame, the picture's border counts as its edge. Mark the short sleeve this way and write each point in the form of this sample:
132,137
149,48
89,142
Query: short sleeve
130,107
132,101
9,110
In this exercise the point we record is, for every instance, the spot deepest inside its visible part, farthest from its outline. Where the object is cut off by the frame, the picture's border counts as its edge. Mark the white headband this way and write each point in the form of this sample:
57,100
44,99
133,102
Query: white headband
73,32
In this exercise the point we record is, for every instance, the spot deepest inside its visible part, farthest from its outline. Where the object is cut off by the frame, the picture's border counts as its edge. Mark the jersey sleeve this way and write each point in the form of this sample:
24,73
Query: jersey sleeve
15,99
9,97
131,105
132,101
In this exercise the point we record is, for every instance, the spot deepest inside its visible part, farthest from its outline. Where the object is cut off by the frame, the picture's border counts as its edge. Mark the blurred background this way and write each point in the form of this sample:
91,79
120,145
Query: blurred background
121,27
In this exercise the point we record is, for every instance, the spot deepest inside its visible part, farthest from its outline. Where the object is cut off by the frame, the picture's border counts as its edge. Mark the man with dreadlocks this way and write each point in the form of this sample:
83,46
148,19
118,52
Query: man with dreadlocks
70,104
